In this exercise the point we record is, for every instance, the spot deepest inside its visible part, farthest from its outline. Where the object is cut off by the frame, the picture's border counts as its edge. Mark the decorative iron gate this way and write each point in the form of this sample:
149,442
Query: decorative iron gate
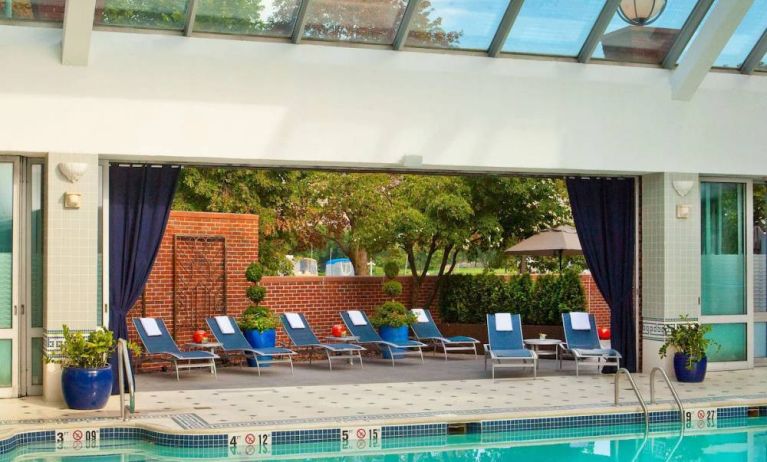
199,280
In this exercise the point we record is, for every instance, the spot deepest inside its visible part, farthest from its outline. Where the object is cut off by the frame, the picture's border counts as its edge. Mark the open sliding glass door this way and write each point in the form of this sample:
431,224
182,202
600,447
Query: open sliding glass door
760,274
726,263
9,267
31,308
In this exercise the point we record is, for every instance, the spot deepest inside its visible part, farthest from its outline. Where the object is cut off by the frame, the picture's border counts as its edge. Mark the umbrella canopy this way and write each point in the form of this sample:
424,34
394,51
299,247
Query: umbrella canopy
555,242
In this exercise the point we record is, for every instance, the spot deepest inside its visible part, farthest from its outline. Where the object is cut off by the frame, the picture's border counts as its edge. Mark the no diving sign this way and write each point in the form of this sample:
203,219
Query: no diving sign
252,444
76,438
360,438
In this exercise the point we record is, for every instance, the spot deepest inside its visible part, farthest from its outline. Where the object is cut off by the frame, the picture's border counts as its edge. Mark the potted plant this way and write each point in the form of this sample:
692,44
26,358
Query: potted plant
258,323
86,378
392,319
690,342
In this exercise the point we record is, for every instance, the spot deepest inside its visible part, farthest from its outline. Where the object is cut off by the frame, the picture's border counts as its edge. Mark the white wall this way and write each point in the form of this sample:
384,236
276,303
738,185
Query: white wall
175,98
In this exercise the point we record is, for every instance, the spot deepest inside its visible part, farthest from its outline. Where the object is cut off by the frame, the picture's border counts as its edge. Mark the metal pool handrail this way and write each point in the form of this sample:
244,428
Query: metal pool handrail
125,374
670,387
638,394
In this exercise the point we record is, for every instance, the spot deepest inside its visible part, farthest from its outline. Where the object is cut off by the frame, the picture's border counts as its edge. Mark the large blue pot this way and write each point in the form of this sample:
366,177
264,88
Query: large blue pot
265,339
86,389
394,335
694,375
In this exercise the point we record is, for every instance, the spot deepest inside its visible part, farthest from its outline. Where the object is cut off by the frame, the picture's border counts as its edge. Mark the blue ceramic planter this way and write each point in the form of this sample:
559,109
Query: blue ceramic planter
265,339
694,375
86,389
394,335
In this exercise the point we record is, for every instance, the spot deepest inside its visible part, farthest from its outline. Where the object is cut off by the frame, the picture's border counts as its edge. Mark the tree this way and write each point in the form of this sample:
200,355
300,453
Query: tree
353,210
267,193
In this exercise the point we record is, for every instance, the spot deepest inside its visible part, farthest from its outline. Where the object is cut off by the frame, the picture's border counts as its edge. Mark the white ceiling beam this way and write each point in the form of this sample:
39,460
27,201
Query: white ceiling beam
78,26
714,34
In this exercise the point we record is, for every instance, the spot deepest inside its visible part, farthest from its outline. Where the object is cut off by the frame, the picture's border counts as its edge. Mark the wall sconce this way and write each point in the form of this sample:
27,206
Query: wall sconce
683,187
683,211
73,171
72,200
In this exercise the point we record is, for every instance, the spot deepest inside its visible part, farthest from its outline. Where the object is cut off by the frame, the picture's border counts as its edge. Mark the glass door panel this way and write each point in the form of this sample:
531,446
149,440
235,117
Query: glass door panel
32,304
760,273
724,240
8,277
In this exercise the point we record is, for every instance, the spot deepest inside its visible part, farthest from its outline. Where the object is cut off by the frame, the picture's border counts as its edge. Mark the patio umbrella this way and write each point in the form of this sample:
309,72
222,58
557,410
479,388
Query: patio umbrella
555,242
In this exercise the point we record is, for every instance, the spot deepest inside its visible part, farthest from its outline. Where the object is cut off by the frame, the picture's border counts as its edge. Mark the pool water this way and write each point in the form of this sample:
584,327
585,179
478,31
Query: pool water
745,442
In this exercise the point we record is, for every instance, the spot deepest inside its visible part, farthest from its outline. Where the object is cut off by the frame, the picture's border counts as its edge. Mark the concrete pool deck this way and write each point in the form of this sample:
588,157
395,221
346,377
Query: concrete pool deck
187,407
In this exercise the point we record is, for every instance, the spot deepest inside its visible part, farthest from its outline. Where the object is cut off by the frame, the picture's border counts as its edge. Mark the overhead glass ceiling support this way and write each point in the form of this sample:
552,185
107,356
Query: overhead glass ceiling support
611,6
404,27
191,14
298,30
507,22
686,33
756,55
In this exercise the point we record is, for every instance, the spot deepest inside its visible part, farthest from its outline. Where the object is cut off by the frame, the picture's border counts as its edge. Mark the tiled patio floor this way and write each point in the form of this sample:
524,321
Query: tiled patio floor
408,393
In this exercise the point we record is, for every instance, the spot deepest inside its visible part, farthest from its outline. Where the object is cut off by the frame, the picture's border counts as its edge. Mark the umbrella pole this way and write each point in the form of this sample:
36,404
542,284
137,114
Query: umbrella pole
560,261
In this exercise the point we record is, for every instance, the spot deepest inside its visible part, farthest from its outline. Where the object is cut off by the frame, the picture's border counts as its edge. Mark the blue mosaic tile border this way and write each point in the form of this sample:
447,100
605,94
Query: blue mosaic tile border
327,440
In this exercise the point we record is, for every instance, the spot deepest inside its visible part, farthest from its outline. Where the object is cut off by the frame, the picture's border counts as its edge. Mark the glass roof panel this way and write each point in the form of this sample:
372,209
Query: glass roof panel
763,64
459,24
553,27
274,18
367,21
143,14
745,37
32,10
644,44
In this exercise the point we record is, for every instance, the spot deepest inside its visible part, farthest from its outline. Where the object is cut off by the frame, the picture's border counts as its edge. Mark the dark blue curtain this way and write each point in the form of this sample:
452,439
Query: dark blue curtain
604,214
140,198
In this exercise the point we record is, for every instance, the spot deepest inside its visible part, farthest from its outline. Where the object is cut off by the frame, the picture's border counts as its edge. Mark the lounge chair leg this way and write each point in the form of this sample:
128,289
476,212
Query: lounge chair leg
420,350
391,355
213,367
444,350
258,365
290,359
535,368
330,361
359,356
175,363
475,350
576,367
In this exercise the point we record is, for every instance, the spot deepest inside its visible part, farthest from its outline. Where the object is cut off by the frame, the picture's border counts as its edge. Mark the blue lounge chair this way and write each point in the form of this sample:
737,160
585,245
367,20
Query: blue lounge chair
582,342
234,341
303,337
505,347
426,330
361,328
157,341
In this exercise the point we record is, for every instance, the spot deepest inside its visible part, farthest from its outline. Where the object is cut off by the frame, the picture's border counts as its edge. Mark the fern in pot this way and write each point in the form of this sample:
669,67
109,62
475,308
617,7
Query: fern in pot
86,378
689,341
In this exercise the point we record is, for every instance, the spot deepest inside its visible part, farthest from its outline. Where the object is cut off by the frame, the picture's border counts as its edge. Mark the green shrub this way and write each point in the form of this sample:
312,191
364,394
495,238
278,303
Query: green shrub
393,314
391,269
255,272
90,352
258,318
256,294
688,338
467,299
392,289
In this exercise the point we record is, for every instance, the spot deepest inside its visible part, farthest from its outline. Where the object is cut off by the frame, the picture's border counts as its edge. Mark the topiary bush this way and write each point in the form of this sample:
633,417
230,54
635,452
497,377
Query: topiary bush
255,272
392,314
391,269
256,294
392,289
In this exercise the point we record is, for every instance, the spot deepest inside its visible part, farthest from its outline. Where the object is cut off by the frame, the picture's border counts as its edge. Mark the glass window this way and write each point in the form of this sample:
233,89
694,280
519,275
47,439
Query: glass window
732,341
37,361
743,40
369,21
461,24
644,44
275,18
33,10
145,14
760,340
723,262
763,65
6,359
760,247
36,244
553,27
6,246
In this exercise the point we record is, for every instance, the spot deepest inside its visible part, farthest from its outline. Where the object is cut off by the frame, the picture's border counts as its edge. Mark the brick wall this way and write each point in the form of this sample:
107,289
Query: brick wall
240,232
322,298
319,298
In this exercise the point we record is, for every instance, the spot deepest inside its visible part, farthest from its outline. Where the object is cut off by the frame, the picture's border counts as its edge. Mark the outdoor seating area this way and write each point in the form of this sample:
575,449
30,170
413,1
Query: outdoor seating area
506,349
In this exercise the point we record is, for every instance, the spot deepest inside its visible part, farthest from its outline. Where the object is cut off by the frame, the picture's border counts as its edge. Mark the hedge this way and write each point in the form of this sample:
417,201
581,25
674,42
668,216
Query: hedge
468,298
